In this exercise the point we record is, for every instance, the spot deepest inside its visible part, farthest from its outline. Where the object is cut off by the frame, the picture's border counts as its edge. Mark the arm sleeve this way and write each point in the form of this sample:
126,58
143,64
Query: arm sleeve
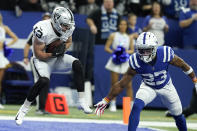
38,32
168,54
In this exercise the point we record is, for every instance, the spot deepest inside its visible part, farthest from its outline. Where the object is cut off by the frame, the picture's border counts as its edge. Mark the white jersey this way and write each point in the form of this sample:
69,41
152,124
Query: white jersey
45,33
2,34
121,39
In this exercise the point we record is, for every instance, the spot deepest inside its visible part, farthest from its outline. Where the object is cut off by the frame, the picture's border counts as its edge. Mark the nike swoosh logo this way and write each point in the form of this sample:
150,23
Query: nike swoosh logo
16,117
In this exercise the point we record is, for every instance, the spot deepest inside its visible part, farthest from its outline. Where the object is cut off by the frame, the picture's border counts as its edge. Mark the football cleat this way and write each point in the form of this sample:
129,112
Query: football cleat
21,114
86,109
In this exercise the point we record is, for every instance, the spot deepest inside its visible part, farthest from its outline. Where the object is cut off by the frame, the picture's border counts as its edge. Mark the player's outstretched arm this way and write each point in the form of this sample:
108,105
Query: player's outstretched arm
178,62
115,90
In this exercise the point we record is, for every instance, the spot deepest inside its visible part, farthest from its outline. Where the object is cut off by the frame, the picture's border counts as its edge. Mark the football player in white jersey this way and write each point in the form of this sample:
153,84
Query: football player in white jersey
151,62
60,26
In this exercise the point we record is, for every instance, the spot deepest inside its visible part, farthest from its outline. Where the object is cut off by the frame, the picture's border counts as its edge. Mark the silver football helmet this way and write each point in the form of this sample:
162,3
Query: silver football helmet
62,19
146,46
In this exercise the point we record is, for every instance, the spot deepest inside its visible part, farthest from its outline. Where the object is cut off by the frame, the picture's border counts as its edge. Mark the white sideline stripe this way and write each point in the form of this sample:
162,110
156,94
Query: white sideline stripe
165,124
48,119
141,124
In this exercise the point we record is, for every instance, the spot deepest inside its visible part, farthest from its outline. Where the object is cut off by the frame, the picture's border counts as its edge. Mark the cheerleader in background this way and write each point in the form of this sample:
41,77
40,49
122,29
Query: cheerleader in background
119,44
3,60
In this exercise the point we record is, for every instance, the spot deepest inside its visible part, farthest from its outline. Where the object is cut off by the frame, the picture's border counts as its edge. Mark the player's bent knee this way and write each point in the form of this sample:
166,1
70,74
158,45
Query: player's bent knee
77,66
138,104
43,81
176,111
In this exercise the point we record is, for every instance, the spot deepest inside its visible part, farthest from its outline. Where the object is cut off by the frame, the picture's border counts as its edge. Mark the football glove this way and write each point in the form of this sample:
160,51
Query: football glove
100,106
59,50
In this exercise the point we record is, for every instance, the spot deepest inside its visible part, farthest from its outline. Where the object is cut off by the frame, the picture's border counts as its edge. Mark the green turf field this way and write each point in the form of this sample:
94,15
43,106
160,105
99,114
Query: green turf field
146,115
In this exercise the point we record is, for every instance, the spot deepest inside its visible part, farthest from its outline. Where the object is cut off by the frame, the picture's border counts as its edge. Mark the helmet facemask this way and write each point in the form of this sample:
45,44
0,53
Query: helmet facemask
147,54
146,46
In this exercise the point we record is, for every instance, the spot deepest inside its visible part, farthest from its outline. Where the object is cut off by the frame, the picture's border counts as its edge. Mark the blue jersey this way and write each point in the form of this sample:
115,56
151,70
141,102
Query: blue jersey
156,76
189,33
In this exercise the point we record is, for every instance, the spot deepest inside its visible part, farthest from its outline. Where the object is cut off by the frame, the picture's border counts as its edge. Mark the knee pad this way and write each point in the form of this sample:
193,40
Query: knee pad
78,75
77,66
176,111
43,81
35,90
138,104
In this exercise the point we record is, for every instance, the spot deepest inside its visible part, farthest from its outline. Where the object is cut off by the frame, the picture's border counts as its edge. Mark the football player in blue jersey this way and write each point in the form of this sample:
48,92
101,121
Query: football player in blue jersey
151,62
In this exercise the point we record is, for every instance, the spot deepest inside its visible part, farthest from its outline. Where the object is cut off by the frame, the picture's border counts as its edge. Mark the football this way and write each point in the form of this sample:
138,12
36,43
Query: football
53,45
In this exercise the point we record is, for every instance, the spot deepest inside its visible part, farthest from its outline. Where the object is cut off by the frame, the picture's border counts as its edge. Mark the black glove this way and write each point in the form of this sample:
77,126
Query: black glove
59,50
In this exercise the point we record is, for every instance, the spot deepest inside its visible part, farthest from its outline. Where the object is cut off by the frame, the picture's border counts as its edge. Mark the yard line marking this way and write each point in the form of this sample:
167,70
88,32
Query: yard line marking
141,124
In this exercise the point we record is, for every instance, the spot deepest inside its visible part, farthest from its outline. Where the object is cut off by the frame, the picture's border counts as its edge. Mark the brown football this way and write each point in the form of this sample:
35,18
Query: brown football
53,45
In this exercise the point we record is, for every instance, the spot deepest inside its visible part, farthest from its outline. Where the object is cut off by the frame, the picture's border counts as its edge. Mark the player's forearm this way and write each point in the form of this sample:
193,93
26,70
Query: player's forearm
120,85
188,70
115,90
42,55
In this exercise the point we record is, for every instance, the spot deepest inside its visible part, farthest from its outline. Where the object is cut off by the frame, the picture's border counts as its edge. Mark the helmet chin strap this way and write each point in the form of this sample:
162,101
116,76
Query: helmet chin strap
147,59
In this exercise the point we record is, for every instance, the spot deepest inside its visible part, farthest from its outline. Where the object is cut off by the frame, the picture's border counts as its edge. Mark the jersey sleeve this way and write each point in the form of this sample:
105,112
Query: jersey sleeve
133,62
38,32
168,54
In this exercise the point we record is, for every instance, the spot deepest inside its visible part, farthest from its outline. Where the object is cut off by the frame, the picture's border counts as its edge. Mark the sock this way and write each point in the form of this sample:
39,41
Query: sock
132,104
113,102
81,96
180,122
134,117
27,103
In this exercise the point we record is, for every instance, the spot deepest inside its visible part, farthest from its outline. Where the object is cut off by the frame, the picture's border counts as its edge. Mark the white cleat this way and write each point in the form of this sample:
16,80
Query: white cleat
86,109
21,114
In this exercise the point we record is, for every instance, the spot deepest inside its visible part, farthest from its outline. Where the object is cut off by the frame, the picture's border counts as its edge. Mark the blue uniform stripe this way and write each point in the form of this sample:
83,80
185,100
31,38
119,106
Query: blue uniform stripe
144,39
134,61
131,62
171,54
166,54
